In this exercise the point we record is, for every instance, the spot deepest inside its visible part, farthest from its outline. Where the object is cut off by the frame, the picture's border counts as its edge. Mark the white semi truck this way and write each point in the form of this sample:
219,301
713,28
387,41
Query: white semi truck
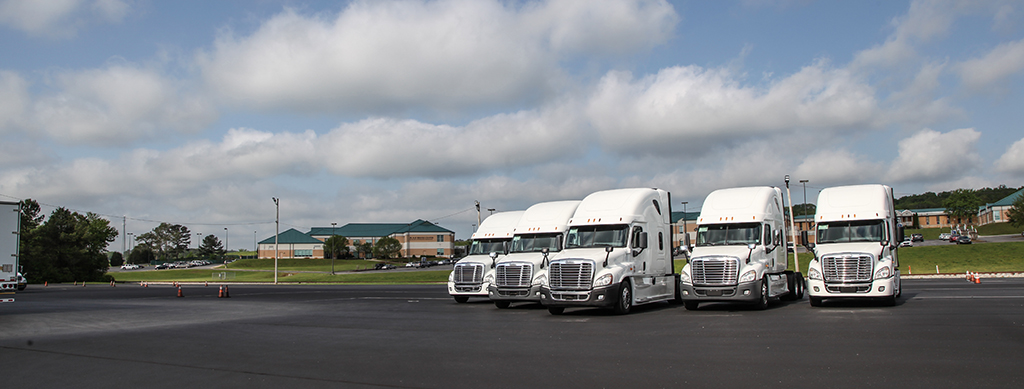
618,253
857,236
474,273
10,225
539,235
740,253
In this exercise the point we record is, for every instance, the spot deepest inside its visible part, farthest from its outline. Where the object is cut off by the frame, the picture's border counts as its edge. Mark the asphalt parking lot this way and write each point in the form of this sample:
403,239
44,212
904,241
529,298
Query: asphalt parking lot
942,333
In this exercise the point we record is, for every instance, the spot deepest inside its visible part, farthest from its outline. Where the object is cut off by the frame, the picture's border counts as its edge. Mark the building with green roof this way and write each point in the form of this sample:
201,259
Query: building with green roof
418,238
291,244
996,212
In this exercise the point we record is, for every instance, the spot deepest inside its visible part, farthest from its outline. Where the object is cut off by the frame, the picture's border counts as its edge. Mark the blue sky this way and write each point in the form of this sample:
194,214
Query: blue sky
376,111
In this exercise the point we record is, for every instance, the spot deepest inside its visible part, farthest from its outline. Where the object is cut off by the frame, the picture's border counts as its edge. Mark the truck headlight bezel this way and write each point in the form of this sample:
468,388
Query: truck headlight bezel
814,274
883,272
685,278
749,276
603,280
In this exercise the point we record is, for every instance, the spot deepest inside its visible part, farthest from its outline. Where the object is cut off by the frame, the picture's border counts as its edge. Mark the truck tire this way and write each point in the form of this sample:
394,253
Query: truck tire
762,302
815,301
461,299
800,284
625,302
691,305
556,310
502,304
791,283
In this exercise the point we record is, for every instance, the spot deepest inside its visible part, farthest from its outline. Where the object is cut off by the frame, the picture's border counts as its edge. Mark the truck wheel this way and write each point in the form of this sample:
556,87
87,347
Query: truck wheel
556,310
815,301
461,299
791,284
625,302
799,286
691,305
502,304
762,303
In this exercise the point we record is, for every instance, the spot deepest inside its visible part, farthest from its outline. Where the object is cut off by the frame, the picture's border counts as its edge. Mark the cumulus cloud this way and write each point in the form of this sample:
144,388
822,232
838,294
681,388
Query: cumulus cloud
933,156
116,105
1012,161
14,98
59,18
693,108
837,166
387,147
446,55
924,21
999,64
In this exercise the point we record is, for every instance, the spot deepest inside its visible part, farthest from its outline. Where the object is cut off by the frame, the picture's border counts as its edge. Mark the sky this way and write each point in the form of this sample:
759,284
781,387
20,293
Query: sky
199,113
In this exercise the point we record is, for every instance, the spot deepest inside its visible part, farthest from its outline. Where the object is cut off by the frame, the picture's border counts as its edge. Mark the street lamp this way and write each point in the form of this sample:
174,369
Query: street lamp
277,232
491,210
792,227
686,233
255,249
225,243
804,183
334,233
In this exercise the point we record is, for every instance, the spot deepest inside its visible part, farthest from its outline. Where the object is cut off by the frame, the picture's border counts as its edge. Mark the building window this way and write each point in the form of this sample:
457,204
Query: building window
995,214
303,253
440,238
440,252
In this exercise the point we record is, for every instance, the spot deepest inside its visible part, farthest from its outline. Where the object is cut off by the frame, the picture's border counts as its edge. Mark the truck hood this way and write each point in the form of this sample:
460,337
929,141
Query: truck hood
873,248
534,258
594,254
737,251
484,259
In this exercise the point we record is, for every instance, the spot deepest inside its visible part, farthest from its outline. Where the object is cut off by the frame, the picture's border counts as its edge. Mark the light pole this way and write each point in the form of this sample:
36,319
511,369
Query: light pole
804,183
277,231
792,227
198,239
225,243
334,227
686,232
255,249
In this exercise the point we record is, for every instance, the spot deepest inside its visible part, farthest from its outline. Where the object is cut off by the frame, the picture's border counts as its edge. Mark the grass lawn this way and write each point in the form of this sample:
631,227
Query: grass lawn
979,257
302,264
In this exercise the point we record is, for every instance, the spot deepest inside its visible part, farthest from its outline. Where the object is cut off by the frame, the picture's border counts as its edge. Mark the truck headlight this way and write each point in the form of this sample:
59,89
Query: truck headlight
540,280
489,279
603,280
884,272
813,274
684,277
750,275
451,277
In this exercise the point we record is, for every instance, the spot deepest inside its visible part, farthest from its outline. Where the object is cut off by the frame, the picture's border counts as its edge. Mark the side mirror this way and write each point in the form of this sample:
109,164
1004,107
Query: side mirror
805,240
544,251
900,233
607,253
641,243
494,258
751,247
689,247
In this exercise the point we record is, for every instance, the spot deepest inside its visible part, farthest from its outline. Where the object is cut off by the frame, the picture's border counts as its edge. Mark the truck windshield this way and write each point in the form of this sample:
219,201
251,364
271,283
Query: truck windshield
729,234
534,243
851,231
597,236
487,246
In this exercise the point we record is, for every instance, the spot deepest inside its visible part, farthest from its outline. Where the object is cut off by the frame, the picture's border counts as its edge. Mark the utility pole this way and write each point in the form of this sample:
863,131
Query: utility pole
477,212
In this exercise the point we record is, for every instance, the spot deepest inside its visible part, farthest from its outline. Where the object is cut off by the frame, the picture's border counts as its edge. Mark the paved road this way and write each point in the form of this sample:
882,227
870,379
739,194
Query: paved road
943,333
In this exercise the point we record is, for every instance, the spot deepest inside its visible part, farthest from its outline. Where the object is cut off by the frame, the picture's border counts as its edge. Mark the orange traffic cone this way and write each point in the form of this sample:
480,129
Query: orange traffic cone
220,293
977,279
207,283
179,292
227,294
46,283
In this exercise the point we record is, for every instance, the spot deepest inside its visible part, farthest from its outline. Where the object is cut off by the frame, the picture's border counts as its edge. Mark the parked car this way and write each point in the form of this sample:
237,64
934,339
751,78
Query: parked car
907,243
162,266
130,266
944,236
963,239
917,238
22,282
954,237
410,264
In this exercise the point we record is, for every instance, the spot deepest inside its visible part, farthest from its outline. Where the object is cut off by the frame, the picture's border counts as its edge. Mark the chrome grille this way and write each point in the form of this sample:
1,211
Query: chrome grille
513,275
468,273
715,270
571,275
847,267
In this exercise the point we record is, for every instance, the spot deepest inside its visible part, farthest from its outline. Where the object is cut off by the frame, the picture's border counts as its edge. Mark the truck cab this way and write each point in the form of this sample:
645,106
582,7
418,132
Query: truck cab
10,229
857,237
539,234
740,253
617,253
474,273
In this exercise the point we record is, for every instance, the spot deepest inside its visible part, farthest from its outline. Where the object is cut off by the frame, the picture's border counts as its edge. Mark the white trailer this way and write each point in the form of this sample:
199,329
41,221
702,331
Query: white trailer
856,245
539,234
474,273
740,253
10,226
618,253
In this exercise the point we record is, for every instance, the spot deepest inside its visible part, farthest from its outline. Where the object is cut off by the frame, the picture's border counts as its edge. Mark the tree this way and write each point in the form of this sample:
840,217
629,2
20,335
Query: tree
116,259
364,249
141,255
962,204
68,246
210,247
387,247
336,247
1016,212
168,241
